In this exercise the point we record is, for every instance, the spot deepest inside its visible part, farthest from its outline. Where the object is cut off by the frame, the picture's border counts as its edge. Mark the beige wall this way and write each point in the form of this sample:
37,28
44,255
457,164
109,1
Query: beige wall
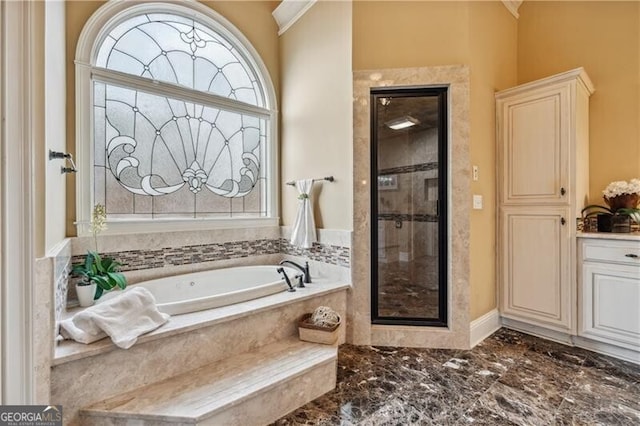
493,50
317,124
396,34
252,18
604,38
55,130
482,35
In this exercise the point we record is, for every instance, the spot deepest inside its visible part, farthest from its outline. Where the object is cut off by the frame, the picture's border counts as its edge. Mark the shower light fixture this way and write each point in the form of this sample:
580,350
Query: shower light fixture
402,122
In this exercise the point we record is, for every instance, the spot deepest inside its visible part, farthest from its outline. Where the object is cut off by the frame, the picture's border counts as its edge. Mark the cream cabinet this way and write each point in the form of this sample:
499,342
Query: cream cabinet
536,266
542,146
609,291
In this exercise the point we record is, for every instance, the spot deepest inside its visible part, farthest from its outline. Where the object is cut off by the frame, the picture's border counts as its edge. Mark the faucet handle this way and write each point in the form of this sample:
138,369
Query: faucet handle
307,274
299,277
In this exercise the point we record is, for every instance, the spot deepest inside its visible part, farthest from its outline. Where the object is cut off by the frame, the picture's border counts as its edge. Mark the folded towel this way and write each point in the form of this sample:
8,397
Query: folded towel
303,234
123,318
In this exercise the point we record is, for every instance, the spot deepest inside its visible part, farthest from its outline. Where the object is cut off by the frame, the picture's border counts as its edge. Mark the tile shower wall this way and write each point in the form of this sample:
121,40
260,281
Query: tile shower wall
362,331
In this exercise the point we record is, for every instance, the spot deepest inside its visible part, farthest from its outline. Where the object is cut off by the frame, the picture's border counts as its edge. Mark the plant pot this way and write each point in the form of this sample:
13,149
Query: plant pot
624,201
310,332
604,222
86,293
620,223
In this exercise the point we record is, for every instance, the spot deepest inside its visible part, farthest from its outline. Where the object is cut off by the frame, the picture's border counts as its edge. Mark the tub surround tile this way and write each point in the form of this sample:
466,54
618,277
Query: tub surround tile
42,314
60,255
334,255
153,241
250,388
321,270
135,260
83,377
69,350
161,261
505,380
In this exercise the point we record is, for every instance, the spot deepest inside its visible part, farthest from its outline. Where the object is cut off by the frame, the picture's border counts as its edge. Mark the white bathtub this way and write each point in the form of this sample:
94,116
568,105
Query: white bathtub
220,287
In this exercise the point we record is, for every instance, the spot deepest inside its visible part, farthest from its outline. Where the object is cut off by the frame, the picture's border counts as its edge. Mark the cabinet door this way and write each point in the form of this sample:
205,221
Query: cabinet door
610,303
535,272
535,147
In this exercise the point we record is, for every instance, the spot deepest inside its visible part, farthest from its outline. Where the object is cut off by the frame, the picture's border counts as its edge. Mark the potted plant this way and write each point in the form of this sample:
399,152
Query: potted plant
622,199
99,274
321,326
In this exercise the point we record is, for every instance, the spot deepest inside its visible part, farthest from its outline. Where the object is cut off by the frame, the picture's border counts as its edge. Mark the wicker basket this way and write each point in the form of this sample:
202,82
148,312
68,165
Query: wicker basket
310,332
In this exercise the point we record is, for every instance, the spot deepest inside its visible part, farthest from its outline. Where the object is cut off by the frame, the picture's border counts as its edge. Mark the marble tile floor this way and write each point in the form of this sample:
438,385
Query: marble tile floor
509,379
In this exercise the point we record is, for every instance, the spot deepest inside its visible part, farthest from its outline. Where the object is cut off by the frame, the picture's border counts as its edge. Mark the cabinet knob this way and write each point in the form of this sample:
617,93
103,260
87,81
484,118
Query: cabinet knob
631,255
562,191
563,221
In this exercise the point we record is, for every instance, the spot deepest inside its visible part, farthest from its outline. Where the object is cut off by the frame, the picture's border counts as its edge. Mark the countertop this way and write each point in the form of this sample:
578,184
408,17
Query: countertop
632,236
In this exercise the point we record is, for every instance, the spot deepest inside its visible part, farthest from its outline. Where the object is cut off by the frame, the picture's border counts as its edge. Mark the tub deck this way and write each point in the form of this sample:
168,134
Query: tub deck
69,350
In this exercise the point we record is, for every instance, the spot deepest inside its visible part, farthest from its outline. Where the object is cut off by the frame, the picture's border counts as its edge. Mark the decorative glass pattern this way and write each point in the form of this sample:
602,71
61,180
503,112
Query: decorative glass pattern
161,154
179,50
150,145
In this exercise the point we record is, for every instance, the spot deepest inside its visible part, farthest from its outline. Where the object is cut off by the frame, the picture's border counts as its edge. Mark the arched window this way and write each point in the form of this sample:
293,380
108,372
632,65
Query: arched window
176,117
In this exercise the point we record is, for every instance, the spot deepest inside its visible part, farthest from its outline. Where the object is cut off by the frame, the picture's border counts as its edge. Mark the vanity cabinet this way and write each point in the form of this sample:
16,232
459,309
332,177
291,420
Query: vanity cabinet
609,292
542,145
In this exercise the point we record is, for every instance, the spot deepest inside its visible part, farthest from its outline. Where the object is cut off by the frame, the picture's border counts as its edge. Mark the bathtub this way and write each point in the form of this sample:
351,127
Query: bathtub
219,287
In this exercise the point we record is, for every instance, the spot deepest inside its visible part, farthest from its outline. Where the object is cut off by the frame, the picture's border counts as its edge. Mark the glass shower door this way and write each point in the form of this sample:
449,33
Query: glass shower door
409,193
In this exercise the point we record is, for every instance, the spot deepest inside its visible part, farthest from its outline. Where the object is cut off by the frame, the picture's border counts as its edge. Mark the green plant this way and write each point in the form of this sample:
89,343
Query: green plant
102,271
595,209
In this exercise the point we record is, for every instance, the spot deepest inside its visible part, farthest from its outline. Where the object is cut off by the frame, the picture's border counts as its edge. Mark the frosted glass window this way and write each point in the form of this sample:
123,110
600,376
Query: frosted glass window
179,50
177,150
152,145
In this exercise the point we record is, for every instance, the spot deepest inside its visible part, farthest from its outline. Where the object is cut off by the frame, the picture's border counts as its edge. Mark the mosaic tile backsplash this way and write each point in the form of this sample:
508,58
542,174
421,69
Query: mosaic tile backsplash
135,260
335,255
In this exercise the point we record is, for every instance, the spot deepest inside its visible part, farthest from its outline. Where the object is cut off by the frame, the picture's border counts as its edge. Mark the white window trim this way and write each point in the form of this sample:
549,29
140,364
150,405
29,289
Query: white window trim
96,28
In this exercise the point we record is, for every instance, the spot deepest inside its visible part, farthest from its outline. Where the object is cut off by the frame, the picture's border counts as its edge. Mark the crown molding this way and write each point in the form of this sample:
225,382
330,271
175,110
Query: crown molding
512,6
289,11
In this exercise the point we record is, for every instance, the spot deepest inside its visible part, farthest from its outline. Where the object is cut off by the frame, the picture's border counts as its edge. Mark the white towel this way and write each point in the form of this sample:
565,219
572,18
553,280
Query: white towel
304,229
123,318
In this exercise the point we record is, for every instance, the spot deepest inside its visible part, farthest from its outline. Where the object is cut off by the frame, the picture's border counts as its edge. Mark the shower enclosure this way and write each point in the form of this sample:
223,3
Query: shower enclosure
409,206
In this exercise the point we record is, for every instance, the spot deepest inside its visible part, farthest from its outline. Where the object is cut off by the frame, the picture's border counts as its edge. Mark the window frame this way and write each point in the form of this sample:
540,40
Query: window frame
94,32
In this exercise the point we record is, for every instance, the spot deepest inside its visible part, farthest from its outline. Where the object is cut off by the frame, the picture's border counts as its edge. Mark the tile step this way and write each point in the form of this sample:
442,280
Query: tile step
274,378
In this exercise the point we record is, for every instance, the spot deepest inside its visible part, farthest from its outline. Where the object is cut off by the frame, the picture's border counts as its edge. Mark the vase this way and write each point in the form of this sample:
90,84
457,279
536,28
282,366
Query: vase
604,222
620,223
86,293
624,201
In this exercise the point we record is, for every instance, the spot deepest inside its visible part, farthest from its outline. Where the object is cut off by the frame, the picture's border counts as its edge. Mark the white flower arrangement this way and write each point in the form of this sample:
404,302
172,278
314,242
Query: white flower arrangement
621,187
98,222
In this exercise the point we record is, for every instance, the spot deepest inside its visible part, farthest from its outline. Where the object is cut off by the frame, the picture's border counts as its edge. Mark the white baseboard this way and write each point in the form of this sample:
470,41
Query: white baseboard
607,349
563,337
483,327
571,340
